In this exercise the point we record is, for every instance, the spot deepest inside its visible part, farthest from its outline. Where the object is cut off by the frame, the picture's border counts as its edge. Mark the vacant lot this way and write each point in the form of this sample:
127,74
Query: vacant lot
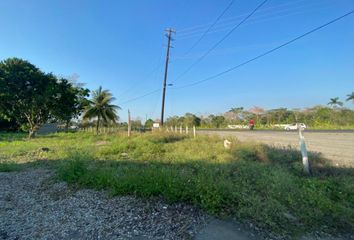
256,183
338,147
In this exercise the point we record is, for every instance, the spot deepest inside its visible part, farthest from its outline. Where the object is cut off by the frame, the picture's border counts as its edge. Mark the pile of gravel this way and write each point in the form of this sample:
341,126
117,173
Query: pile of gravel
33,206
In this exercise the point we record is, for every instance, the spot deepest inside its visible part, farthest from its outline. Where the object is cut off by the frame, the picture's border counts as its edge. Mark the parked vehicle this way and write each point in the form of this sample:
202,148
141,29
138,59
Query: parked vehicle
73,127
294,126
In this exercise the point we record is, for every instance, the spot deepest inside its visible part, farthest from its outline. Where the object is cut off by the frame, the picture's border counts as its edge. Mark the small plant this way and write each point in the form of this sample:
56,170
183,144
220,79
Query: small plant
8,167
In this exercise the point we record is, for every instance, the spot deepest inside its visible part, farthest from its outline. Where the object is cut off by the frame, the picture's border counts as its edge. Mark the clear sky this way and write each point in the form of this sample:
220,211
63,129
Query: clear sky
121,46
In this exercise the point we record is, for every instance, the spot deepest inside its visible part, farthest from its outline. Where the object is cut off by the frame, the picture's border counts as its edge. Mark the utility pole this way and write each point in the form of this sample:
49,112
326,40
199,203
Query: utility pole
168,35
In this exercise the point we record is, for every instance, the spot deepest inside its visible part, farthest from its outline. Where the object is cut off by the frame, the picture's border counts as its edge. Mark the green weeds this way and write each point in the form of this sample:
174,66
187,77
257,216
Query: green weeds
251,181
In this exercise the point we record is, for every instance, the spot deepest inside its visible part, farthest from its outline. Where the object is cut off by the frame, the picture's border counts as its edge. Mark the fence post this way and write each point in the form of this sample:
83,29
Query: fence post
303,149
194,131
186,129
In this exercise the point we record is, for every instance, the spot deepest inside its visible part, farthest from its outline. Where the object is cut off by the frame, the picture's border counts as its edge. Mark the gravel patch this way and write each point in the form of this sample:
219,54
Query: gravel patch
33,206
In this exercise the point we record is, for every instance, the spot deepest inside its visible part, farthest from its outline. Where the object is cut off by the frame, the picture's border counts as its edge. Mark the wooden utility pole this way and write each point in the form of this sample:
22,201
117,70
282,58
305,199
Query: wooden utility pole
129,124
168,35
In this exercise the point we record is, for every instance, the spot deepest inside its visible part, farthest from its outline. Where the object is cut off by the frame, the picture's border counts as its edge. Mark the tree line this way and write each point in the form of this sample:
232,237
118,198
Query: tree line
315,117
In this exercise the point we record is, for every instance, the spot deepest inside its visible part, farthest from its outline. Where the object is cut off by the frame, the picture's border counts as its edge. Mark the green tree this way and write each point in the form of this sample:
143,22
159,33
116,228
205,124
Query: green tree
101,107
217,121
172,121
148,123
236,115
350,97
191,120
71,101
334,102
136,124
26,93
236,109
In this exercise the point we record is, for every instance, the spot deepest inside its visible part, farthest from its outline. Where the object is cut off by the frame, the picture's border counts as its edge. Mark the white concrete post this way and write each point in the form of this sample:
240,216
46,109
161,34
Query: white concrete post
194,131
303,149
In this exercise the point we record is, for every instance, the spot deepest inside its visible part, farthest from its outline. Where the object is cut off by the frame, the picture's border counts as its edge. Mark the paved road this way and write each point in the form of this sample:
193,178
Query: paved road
338,146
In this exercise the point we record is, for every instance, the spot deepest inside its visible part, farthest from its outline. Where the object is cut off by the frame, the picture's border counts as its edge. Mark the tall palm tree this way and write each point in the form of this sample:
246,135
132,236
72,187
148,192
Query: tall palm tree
350,97
101,107
334,102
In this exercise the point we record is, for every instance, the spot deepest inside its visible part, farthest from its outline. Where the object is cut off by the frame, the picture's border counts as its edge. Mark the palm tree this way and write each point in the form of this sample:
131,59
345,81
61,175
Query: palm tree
334,102
101,107
350,97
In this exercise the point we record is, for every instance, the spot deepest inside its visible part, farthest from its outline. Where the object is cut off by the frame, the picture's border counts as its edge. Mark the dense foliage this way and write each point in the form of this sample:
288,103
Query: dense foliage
29,97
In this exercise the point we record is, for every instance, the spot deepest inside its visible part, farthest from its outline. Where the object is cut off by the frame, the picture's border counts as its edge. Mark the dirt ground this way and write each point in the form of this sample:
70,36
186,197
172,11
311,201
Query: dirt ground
335,146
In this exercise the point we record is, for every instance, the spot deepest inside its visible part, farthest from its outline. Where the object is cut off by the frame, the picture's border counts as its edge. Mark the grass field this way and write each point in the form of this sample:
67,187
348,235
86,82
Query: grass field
253,182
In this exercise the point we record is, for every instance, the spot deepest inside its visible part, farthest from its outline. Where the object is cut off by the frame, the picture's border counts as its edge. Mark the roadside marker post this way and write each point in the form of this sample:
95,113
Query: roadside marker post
194,131
303,149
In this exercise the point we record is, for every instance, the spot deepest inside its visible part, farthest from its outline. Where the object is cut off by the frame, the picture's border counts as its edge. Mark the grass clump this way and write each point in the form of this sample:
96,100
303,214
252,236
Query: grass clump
8,166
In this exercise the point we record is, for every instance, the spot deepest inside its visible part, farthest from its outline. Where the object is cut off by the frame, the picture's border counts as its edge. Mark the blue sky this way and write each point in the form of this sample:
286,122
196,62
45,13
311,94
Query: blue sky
121,46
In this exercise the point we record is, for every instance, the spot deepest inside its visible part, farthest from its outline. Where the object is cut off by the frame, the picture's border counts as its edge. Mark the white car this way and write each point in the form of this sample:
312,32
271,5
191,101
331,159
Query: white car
295,126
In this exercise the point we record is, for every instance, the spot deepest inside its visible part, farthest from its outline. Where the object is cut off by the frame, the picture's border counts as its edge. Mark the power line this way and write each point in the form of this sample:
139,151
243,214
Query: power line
135,84
202,27
248,61
259,18
210,27
220,41
267,52
141,96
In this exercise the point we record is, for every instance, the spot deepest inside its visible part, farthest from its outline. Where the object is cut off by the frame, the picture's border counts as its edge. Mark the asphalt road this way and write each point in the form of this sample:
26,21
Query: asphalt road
335,145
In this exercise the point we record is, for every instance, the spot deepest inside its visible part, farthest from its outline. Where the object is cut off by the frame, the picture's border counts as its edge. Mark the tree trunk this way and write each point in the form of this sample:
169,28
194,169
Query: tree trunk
32,132
98,124
67,125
